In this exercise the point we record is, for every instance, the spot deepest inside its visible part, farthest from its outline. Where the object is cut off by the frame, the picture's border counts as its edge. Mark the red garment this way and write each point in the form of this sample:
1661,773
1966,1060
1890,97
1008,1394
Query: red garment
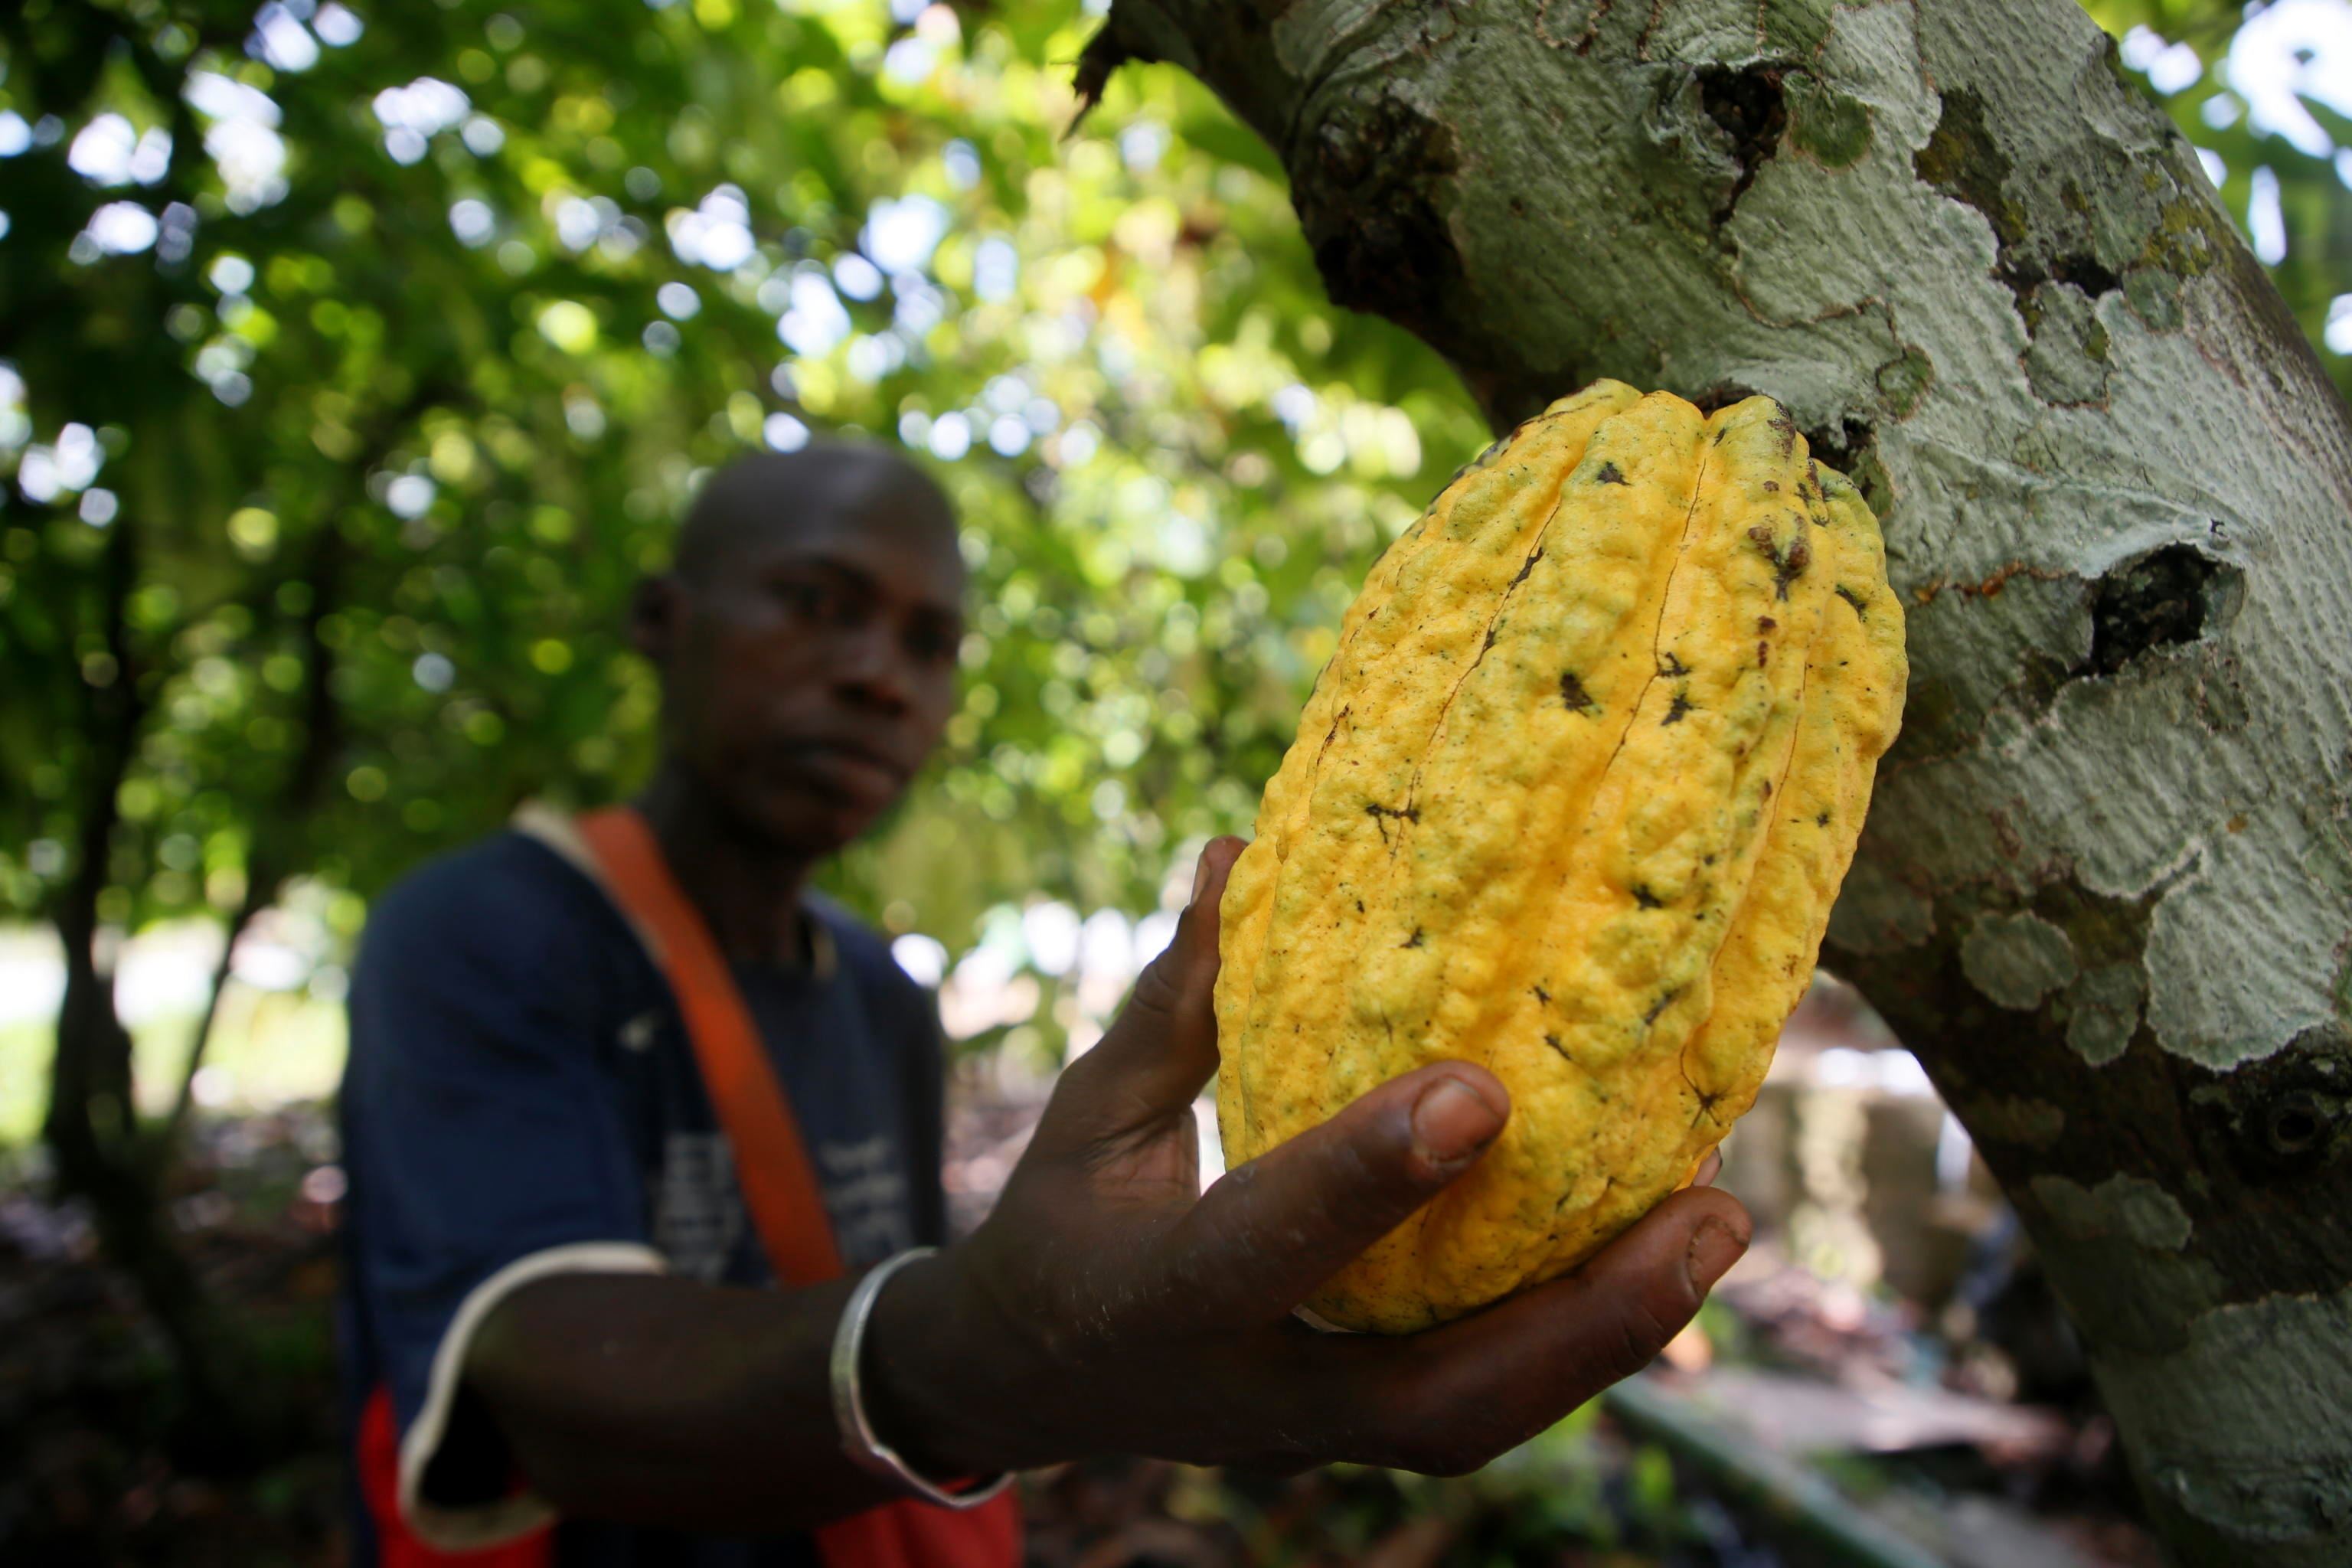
396,1545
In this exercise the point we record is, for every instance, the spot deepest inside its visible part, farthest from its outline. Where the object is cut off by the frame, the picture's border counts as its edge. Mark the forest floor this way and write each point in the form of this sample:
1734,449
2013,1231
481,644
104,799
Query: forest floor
1804,1402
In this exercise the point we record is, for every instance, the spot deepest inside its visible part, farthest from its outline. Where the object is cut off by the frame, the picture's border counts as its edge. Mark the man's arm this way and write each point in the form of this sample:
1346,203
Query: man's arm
1106,1306
654,1400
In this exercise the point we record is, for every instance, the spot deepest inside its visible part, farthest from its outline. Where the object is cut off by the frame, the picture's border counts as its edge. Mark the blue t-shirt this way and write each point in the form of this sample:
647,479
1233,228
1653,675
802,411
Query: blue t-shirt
520,1081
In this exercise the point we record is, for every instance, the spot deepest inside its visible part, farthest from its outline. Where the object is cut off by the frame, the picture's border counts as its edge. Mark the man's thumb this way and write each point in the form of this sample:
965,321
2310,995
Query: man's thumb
1261,1240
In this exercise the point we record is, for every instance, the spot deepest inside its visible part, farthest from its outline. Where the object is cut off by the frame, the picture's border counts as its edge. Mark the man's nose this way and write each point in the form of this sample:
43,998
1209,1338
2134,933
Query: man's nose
870,667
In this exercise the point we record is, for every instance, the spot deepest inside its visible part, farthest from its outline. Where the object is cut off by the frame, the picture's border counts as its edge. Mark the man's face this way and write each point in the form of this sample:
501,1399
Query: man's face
808,670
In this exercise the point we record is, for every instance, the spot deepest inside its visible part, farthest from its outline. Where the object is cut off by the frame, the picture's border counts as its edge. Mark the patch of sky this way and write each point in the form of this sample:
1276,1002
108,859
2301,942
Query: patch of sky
816,322
1143,144
109,151
856,276
473,222
2286,53
62,467
717,234
15,136
2338,333
118,228
337,27
281,41
950,436
2169,66
409,496
784,433
995,268
961,162
2266,222
677,300
900,234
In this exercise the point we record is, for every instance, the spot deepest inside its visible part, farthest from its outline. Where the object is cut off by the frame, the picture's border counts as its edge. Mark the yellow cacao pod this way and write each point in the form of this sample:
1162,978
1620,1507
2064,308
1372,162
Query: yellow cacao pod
1572,801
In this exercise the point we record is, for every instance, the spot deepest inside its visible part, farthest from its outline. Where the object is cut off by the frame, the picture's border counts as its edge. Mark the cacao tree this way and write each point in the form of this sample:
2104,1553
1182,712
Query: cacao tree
2106,890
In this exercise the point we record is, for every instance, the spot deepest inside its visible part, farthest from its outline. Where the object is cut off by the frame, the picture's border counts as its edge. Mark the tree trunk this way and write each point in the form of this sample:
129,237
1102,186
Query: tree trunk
2107,885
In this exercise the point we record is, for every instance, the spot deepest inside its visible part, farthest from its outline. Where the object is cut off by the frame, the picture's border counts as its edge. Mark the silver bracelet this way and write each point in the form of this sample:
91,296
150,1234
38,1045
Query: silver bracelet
857,1440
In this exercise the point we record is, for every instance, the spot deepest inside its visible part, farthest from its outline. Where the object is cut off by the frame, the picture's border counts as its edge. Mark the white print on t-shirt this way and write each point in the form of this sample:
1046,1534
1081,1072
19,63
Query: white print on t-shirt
698,1210
866,1196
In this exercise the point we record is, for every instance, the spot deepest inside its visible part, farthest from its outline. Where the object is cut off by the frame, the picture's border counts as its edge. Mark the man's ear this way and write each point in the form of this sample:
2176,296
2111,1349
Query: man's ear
657,610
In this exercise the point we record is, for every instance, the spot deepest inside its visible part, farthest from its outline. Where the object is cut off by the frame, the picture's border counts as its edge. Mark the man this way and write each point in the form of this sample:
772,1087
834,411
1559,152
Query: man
549,1252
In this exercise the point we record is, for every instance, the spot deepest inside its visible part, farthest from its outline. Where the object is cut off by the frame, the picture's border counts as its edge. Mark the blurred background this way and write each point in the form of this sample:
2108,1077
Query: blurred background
355,358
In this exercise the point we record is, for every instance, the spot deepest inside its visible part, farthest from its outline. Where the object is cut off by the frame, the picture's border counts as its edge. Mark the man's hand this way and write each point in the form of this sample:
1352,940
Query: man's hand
1104,1306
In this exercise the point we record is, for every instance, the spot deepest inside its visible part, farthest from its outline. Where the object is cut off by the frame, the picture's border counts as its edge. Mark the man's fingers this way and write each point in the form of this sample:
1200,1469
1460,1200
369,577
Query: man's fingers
1478,1386
1164,1045
1262,1238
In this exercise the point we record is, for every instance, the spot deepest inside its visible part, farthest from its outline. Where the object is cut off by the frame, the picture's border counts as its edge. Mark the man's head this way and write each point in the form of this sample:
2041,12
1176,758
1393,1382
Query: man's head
806,640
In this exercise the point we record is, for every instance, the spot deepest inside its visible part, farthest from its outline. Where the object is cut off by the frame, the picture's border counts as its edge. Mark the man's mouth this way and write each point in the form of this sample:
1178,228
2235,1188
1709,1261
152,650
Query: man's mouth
845,766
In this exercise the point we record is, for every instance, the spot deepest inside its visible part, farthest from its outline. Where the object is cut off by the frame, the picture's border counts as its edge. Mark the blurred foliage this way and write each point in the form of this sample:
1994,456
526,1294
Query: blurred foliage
378,354
354,364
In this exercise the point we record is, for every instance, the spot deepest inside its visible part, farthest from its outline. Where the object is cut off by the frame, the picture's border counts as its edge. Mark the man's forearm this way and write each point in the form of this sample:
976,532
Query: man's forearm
652,1400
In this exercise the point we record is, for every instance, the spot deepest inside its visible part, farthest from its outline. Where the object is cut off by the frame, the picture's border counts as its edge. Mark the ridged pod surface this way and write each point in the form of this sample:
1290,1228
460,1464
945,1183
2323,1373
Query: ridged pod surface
1572,800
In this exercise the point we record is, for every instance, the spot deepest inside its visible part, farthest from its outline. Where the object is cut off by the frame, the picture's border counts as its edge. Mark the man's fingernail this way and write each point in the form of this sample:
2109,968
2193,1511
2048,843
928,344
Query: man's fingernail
1199,875
1452,1122
1714,1247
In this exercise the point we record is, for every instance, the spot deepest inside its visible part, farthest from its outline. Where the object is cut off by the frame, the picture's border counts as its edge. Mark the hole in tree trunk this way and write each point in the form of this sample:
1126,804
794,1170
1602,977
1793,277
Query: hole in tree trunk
2159,600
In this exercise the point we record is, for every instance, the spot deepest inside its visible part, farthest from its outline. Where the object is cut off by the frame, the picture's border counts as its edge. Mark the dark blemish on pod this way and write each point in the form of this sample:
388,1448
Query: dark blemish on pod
1360,906
1768,789
1381,814
1707,1104
1412,941
1646,899
1660,1006
1670,665
1822,820
1611,474
1676,710
1861,609
1766,623
1771,487
1553,1041
1572,692
1763,652
1528,567
1542,994
1789,562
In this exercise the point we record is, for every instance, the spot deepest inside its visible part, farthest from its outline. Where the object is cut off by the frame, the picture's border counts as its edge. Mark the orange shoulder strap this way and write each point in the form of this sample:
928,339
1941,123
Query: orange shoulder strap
771,1164
617,848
